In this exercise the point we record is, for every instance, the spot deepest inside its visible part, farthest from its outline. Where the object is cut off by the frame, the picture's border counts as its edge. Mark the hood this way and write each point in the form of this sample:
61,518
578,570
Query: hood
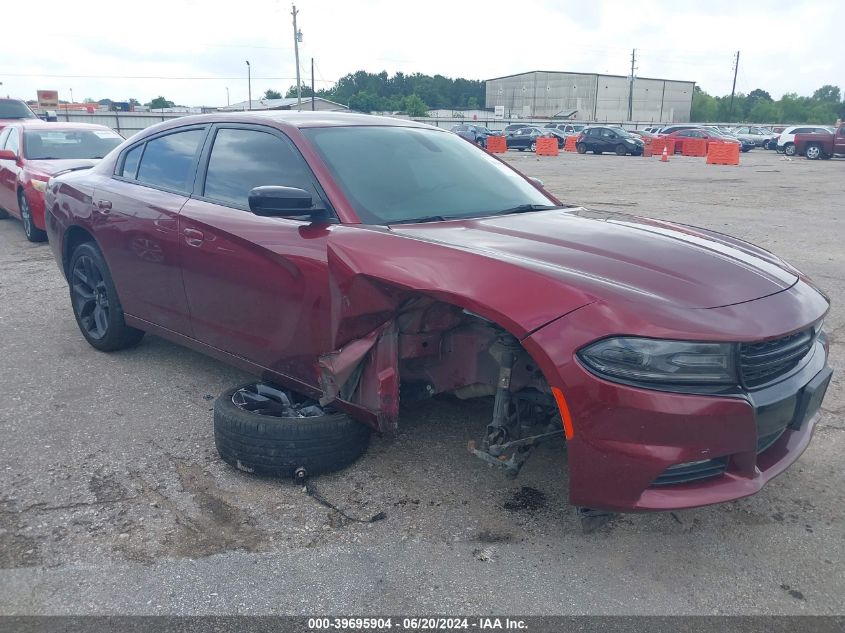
52,167
613,255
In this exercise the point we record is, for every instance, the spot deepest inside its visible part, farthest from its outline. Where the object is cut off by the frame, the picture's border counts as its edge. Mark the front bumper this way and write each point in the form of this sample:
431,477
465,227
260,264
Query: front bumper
629,443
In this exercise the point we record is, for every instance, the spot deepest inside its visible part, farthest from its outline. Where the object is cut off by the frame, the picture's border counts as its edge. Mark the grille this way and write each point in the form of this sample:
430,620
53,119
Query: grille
763,362
684,473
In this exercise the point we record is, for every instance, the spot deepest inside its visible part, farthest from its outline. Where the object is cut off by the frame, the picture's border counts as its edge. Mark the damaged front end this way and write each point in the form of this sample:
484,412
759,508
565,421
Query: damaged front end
427,348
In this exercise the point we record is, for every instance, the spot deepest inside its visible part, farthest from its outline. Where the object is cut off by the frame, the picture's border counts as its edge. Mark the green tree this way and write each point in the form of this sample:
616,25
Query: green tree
160,102
704,107
764,112
415,106
828,94
472,103
272,94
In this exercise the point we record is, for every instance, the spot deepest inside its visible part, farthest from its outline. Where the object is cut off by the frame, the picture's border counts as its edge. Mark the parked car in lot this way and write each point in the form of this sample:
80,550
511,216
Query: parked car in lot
652,130
682,136
344,255
513,127
599,139
745,144
14,110
476,133
32,151
786,140
755,134
815,146
568,129
525,138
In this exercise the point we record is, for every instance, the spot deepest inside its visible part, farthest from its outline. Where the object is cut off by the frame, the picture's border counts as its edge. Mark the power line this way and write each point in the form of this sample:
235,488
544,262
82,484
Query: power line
147,77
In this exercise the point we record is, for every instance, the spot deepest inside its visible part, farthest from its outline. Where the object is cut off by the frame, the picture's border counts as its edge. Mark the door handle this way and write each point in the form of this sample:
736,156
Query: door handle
193,237
104,205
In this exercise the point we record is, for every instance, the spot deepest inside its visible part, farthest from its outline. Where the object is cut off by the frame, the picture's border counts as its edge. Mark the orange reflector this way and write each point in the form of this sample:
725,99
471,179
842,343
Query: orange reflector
564,412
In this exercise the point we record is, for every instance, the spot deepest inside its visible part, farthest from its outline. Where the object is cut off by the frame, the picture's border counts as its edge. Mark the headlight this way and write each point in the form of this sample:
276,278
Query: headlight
39,185
654,361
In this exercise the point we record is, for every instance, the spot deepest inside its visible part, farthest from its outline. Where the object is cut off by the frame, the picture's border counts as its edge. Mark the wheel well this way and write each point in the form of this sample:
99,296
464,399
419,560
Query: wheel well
74,236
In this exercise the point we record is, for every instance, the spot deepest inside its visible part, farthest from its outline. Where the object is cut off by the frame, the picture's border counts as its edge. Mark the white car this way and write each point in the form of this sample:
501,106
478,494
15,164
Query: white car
786,140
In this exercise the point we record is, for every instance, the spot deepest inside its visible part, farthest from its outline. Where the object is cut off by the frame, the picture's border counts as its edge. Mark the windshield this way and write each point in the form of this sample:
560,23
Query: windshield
396,174
620,131
56,143
578,128
10,109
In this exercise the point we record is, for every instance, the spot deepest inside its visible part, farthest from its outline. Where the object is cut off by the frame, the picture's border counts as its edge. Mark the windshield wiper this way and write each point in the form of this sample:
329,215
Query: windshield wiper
527,208
425,218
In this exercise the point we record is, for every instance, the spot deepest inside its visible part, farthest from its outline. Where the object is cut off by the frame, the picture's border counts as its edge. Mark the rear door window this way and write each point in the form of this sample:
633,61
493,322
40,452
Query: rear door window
168,161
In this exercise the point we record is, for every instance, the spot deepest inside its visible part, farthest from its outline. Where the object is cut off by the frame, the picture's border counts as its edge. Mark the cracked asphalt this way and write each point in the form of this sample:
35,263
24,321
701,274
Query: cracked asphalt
113,500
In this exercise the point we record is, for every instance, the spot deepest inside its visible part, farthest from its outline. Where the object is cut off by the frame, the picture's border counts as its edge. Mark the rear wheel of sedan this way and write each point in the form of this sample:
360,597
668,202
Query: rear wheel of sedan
814,151
264,429
621,150
96,305
32,232
581,148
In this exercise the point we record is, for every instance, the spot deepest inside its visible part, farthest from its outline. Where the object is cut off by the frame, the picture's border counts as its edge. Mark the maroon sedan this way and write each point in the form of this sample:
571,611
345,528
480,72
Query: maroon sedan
344,255
32,151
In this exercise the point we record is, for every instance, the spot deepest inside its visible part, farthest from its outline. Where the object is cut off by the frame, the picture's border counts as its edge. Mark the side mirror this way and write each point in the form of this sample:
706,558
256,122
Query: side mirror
290,202
7,154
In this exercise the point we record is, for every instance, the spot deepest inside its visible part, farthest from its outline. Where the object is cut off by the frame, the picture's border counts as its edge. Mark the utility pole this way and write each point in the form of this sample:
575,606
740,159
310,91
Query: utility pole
296,37
248,85
631,86
227,95
733,89
312,84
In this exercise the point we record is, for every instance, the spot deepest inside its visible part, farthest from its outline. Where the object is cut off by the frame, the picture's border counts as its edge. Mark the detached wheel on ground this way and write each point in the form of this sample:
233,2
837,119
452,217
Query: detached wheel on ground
95,303
32,232
264,429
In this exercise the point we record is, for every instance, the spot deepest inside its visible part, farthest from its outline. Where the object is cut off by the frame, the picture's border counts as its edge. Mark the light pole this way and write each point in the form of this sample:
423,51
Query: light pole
71,95
249,85
227,95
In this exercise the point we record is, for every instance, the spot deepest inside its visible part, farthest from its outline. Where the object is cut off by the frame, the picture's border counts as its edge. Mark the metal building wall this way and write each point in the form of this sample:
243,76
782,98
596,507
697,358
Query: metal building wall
596,97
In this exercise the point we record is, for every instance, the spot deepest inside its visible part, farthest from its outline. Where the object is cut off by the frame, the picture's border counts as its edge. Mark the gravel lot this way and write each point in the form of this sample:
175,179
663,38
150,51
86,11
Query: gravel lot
113,500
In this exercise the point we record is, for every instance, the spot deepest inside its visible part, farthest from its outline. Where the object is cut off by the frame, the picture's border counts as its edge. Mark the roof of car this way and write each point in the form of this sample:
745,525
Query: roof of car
300,119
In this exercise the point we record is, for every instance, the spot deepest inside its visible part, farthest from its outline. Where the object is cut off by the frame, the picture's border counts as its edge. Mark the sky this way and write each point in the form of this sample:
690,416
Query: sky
191,51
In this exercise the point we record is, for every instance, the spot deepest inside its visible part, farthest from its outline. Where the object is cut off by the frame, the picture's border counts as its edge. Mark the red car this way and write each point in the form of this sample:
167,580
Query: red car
344,255
681,136
32,151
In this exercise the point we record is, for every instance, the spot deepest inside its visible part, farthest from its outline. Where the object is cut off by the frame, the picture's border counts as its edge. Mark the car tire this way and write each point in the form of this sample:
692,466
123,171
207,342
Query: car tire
789,149
533,146
95,303
597,152
260,440
813,151
4,214
32,232
581,148
621,150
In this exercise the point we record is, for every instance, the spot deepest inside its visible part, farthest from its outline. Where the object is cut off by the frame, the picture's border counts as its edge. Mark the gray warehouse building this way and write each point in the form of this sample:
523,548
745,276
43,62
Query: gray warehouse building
590,97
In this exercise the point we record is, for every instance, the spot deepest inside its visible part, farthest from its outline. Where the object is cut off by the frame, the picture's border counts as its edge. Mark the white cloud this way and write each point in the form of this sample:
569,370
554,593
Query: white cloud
197,49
